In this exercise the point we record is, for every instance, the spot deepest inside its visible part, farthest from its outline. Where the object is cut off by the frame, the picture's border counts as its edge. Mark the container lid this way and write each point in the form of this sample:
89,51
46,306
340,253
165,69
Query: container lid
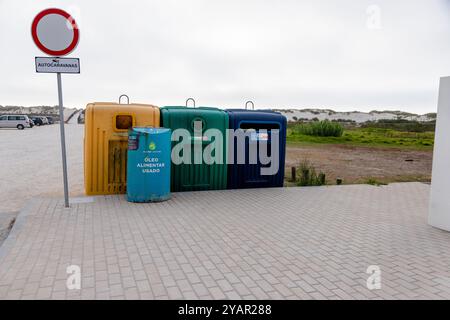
252,111
190,109
150,130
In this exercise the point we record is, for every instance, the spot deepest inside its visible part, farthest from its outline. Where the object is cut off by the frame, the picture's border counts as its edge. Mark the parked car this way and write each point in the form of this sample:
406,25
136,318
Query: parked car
44,120
19,121
37,121
50,120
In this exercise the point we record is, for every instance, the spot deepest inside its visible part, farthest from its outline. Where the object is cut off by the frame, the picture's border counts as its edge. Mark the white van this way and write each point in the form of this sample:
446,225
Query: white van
18,121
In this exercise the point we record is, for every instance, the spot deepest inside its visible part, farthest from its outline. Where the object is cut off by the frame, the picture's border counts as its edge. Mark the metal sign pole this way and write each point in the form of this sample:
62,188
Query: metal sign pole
50,30
63,141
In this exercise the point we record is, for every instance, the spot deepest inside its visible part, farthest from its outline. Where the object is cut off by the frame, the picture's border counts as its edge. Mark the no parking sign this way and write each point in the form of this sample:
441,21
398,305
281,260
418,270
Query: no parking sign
55,32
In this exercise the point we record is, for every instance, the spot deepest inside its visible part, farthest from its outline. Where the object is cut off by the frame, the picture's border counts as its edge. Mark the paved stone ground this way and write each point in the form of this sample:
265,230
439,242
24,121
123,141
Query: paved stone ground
287,243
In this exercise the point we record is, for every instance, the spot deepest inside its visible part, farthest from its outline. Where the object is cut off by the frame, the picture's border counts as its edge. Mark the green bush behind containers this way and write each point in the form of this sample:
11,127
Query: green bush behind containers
324,128
193,177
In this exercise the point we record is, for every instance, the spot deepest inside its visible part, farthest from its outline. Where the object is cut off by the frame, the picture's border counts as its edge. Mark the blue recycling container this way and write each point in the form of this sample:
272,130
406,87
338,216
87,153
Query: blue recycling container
248,174
148,164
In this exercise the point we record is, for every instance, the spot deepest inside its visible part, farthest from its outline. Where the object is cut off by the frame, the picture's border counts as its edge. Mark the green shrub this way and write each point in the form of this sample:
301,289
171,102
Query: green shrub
401,125
374,182
368,136
309,176
324,128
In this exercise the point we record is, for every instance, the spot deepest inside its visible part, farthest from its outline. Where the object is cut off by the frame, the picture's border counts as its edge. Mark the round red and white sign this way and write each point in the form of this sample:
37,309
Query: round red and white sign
55,32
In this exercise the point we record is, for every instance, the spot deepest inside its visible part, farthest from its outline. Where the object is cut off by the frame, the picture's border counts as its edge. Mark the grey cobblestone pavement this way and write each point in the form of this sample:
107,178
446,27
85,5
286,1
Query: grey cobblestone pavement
287,243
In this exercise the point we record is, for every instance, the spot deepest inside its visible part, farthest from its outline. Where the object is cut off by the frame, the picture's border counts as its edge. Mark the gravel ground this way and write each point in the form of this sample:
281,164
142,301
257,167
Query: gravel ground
31,164
357,164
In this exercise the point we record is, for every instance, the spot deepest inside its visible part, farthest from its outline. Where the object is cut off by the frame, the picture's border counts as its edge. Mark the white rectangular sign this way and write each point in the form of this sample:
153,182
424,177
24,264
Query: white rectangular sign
259,136
57,65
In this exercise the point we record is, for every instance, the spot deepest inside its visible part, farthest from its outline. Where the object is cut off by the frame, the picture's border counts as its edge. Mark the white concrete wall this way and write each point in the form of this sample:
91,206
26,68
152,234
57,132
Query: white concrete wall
439,215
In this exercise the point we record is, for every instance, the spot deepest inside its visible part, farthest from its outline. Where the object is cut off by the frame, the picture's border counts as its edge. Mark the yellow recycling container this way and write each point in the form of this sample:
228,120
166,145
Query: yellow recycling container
106,142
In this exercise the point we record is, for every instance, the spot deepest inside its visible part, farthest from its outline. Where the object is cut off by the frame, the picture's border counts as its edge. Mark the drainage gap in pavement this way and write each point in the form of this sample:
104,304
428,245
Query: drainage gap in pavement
7,221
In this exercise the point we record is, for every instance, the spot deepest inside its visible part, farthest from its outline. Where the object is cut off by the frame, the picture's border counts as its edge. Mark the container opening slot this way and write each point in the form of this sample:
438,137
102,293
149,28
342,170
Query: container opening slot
124,122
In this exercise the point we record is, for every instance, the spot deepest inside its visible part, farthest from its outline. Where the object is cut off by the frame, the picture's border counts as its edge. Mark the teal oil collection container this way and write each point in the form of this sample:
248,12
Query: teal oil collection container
148,164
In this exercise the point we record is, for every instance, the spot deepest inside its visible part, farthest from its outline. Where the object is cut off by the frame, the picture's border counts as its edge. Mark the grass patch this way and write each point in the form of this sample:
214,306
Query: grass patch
323,128
374,182
381,137
309,176
402,125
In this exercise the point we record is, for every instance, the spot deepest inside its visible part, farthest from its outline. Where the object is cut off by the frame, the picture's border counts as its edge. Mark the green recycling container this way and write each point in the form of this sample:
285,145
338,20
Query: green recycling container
201,154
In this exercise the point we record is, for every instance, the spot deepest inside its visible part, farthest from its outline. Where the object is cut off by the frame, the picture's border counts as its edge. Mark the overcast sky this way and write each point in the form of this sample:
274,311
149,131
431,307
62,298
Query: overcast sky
345,55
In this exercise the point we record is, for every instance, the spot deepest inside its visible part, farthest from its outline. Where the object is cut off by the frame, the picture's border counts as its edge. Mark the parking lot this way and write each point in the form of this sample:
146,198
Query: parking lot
31,164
